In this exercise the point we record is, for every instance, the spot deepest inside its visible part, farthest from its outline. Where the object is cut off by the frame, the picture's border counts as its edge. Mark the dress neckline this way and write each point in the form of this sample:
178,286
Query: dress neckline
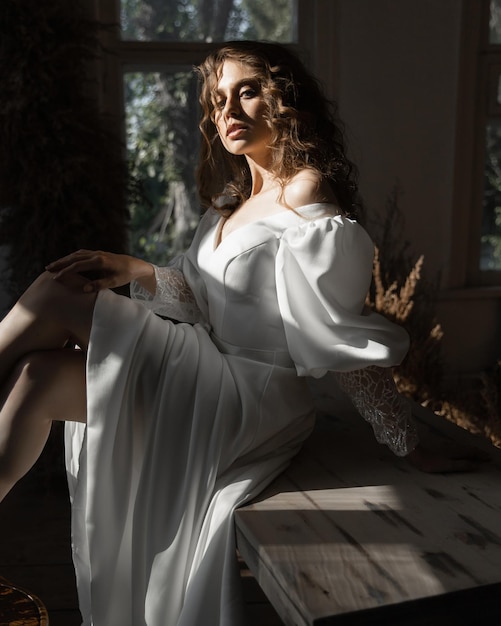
306,208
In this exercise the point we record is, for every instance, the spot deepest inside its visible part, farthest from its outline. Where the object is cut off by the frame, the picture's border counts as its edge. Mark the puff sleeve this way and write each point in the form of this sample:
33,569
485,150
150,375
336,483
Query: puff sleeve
323,273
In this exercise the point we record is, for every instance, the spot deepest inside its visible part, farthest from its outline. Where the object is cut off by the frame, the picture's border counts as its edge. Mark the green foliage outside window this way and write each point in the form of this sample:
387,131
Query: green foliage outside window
490,256
162,144
208,20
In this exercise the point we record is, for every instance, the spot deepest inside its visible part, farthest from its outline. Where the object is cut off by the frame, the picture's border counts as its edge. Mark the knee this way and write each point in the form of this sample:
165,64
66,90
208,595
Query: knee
45,289
42,283
40,293
60,303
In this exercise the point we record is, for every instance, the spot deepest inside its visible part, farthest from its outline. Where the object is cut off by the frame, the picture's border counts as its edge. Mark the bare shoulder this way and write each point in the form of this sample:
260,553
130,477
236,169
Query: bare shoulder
307,187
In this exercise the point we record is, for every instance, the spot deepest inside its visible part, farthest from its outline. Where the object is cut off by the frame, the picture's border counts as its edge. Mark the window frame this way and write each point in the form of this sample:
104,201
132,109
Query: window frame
476,102
315,20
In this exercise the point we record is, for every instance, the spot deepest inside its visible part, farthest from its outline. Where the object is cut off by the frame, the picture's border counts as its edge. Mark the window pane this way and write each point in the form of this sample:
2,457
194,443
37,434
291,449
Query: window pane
490,250
162,146
208,20
495,22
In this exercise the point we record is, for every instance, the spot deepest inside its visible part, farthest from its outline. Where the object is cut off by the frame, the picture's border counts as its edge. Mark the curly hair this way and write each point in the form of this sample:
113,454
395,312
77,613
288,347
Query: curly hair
305,129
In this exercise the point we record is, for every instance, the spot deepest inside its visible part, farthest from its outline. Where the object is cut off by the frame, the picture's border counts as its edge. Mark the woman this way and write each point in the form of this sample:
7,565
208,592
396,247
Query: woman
174,425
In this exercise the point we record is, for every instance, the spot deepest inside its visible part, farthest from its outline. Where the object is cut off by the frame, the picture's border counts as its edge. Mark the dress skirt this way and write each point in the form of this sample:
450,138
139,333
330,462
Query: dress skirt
181,430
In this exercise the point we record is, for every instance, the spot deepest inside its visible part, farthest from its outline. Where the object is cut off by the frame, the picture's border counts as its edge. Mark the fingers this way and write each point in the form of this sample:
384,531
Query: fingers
77,263
64,261
73,282
99,270
102,283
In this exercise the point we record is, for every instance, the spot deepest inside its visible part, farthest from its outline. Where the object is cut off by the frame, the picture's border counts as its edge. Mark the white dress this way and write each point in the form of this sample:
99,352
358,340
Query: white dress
187,421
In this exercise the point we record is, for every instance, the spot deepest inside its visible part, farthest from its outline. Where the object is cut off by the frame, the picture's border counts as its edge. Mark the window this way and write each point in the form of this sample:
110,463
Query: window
208,20
162,145
148,80
490,234
477,207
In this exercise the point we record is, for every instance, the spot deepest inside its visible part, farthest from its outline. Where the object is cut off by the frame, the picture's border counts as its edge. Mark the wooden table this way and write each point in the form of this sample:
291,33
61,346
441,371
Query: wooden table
352,535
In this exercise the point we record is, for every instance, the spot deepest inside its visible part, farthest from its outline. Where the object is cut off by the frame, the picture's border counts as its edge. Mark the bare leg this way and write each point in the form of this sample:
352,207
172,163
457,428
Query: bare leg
45,317
39,382
44,386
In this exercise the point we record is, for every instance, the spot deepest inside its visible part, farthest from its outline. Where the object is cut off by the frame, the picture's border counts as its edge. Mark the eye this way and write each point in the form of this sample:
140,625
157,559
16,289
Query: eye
248,92
219,104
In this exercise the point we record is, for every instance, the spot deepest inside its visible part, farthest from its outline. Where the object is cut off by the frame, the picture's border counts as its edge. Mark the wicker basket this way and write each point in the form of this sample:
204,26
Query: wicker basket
20,608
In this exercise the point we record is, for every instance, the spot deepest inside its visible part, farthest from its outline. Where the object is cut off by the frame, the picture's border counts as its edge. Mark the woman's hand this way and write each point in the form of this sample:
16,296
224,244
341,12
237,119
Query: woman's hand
102,270
447,460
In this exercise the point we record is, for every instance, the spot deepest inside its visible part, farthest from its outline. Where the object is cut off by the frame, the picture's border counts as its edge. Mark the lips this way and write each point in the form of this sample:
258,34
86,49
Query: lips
234,130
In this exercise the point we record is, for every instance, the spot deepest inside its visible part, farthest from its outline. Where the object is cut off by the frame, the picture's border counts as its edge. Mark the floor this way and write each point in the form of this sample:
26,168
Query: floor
35,546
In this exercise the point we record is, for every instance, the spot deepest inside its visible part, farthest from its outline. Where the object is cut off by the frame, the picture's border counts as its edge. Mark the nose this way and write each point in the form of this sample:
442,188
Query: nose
231,106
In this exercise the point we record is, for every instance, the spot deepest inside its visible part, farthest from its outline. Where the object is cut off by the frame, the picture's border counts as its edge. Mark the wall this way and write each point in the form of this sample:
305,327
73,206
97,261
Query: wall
397,90
397,93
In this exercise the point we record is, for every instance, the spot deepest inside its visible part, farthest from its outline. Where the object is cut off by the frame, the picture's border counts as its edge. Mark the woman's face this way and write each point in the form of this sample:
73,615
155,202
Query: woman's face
238,112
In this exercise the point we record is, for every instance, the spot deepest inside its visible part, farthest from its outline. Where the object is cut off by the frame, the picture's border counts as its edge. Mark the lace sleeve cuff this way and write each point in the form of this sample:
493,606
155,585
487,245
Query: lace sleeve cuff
375,396
173,297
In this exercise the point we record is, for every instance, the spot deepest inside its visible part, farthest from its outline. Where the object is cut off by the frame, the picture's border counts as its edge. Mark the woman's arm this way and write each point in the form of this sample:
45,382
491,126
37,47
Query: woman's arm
104,270
376,397
163,290
374,394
